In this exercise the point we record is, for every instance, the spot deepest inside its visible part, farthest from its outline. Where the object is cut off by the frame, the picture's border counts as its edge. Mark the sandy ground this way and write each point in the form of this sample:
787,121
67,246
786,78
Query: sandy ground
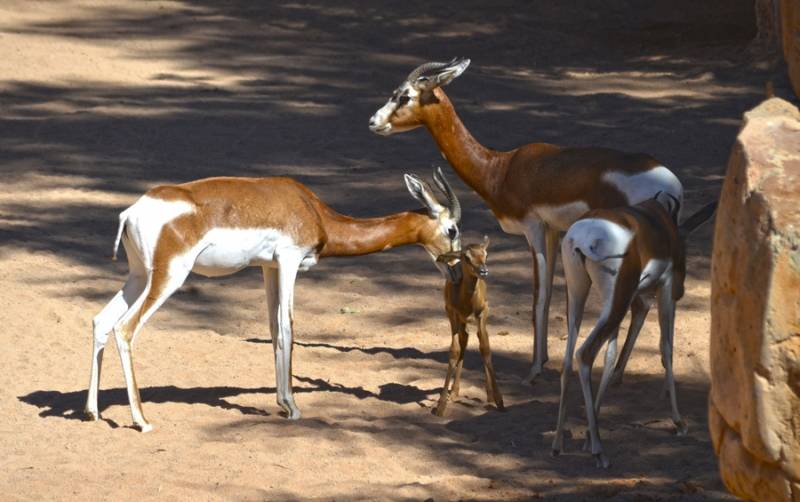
101,100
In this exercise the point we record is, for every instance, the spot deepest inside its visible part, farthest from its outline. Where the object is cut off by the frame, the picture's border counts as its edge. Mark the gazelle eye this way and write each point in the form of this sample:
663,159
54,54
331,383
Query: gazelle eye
452,232
403,100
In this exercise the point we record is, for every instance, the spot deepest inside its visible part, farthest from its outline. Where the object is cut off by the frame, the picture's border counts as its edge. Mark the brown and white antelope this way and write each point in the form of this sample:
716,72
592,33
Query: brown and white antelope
537,190
465,297
632,254
218,226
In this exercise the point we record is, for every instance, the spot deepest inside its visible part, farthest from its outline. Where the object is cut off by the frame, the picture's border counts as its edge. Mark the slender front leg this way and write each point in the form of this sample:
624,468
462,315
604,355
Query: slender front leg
492,391
282,343
452,362
463,337
578,284
543,243
639,309
666,321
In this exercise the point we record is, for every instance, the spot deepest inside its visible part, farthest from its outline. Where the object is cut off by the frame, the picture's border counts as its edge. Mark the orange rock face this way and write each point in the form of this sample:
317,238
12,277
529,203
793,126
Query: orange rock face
754,405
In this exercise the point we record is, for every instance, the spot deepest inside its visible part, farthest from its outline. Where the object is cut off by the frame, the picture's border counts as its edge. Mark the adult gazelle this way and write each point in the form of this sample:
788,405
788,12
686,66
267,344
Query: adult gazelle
537,190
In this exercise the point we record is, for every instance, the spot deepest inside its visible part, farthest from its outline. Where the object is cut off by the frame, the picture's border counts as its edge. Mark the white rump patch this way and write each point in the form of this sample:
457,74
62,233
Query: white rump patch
598,239
145,219
645,185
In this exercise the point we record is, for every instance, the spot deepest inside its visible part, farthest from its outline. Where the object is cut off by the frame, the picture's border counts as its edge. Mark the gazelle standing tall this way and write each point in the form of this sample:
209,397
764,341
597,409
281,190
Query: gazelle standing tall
631,254
537,190
218,226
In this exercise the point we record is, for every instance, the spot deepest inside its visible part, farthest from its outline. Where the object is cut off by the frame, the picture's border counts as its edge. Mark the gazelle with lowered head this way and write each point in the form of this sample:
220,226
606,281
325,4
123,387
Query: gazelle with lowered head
465,297
218,226
631,254
537,190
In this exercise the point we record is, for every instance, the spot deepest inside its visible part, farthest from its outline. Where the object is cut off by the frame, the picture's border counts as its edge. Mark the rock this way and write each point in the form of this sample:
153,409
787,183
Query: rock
754,404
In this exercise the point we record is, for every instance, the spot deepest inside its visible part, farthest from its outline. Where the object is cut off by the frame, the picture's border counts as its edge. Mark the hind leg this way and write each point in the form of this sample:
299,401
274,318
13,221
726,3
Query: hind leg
639,309
666,320
492,391
578,285
164,281
104,322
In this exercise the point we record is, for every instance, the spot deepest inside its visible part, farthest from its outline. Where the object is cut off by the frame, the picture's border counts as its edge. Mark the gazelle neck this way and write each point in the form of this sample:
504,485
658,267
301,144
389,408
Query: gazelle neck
348,236
480,168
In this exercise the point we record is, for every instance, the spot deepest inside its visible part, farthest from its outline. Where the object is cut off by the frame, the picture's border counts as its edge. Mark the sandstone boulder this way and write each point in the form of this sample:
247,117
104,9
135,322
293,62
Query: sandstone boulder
754,404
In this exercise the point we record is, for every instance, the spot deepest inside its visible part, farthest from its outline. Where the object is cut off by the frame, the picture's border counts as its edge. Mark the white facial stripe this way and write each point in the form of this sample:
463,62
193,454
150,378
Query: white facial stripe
381,117
645,185
380,122
599,239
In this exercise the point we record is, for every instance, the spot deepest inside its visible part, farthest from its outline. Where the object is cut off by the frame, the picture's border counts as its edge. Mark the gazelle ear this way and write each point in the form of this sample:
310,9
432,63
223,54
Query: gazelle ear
694,221
420,190
441,76
485,243
451,258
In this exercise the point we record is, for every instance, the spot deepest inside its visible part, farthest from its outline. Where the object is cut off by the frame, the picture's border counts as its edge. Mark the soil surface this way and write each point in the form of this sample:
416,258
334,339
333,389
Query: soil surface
100,100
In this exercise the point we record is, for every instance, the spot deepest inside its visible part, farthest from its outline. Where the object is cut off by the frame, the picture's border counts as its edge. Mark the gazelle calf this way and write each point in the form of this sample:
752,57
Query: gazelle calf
465,296
632,254
218,226
537,190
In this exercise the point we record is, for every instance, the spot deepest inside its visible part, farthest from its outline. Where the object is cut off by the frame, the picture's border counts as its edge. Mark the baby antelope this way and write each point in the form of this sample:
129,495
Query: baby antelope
632,253
465,296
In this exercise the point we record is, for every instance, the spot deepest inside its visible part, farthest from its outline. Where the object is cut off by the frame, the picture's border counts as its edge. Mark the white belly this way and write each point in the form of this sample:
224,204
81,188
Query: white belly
224,251
556,217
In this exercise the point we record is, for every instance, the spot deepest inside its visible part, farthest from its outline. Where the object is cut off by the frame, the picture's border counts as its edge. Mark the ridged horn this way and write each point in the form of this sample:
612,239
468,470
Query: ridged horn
444,186
426,67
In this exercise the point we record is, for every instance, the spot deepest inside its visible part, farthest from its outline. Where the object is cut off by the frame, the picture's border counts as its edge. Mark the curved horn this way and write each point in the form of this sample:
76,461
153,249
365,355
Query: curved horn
444,186
426,67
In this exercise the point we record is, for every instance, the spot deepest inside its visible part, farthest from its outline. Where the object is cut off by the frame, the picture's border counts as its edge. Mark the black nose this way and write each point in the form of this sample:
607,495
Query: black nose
371,122
483,271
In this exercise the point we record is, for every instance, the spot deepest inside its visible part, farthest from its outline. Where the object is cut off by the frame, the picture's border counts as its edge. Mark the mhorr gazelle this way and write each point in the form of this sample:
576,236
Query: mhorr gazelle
632,254
465,298
218,226
537,190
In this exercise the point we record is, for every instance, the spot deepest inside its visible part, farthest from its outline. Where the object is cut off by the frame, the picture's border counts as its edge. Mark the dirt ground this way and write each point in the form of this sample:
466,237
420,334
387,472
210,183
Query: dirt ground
101,100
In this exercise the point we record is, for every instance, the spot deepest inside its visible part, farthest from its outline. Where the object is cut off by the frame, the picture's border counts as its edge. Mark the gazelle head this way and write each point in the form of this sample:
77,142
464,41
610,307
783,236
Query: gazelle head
403,111
688,226
672,206
440,234
471,261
